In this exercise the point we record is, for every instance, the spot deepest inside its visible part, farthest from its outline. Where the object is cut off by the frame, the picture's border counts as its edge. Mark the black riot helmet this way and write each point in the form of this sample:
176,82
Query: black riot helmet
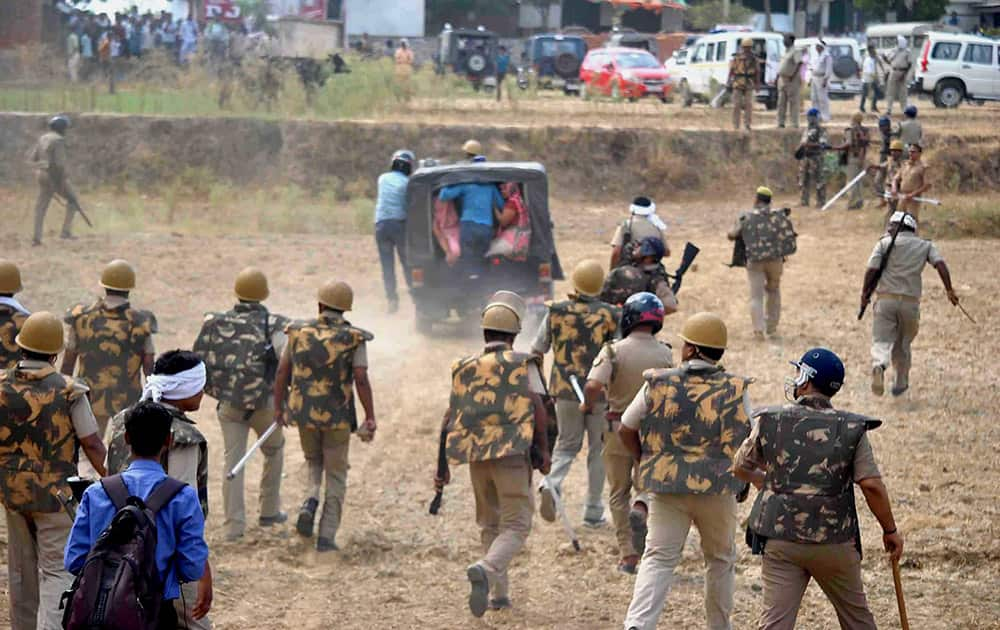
642,308
402,161
59,124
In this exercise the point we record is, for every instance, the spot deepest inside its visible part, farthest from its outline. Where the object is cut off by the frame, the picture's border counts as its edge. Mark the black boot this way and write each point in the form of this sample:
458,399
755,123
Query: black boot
307,516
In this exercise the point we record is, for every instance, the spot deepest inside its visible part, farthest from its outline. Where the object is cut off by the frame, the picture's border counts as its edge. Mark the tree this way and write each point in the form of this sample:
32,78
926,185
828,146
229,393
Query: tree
915,10
704,15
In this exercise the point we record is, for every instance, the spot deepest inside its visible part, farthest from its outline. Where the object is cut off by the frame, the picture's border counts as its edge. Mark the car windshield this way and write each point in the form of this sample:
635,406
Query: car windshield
556,47
637,60
840,50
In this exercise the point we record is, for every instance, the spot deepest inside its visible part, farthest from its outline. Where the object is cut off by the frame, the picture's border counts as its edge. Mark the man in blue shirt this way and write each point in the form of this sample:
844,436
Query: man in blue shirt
181,551
477,201
390,222
503,64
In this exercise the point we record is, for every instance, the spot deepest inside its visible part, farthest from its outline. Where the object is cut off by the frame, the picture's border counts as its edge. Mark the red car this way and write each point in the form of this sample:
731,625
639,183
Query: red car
623,73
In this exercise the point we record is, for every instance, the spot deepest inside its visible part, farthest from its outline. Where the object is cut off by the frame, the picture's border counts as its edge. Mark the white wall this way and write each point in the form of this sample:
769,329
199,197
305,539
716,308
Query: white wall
390,18
530,17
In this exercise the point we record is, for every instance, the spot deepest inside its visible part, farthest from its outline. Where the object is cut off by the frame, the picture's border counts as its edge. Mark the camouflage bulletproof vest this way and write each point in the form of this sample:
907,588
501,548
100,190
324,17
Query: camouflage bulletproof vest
768,235
11,321
744,71
239,358
492,415
322,388
625,281
110,345
183,432
579,329
816,135
696,421
808,493
37,441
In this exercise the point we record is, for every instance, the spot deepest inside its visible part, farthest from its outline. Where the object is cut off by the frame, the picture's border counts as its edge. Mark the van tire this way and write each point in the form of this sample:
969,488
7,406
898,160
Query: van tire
949,93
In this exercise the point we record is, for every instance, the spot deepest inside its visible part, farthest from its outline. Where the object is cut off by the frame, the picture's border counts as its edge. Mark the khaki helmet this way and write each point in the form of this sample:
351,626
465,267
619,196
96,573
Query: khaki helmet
472,147
10,277
896,145
251,285
858,118
118,276
501,317
42,332
512,300
336,295
588,278
747,43
706,330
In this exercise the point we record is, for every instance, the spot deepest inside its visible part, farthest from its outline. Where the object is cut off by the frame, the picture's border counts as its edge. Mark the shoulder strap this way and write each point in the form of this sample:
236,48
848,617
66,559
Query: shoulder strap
163,493
117,492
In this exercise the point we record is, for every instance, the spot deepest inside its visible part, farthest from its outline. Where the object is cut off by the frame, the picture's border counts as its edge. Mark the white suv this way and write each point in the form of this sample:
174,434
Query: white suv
956,67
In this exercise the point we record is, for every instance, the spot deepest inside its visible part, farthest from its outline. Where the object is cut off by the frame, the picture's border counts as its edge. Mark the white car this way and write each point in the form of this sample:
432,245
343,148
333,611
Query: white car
954,67
706,68
846,80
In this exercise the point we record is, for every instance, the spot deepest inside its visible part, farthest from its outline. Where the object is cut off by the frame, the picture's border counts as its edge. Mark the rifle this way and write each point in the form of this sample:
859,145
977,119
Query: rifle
77,486
869,288
442,471
690,253
76,206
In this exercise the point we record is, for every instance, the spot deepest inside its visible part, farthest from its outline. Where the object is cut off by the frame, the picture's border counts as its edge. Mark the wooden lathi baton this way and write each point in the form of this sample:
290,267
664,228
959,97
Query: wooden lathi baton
900,602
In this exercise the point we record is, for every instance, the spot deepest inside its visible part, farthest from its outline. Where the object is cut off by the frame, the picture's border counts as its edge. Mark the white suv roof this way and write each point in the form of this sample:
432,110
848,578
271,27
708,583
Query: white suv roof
961,37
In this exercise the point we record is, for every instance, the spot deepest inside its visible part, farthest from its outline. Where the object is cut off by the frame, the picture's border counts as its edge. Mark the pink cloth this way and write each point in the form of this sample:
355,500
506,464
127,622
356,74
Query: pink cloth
446,228
517,235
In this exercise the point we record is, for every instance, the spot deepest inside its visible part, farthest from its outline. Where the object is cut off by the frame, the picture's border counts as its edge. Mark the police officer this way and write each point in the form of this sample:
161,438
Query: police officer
811,173
641,223
886,172
744,71
684,426
910,130
900,61
768,237
324,362
49,160
45,416
241,348
12,314
813,534
178,383
575,330
496,423
110,344
911,181
790,83
896,317
856,141
644,273
618,371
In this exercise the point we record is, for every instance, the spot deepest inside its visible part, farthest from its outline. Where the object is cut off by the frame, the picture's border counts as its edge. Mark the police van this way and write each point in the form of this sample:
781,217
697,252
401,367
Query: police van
847,59
706,68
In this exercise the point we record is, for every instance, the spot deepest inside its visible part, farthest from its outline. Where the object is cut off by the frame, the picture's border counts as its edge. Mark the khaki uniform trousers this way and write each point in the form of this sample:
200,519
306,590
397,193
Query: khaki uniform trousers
895,324
670,518
46,190
572,426
896,91
765,294
236,424
743,101
619,466
787,568
183,606
504,509
789,100
326,456
855,166
35,542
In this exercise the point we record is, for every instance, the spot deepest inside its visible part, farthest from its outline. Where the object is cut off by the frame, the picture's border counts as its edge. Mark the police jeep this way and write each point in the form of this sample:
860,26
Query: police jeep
438,289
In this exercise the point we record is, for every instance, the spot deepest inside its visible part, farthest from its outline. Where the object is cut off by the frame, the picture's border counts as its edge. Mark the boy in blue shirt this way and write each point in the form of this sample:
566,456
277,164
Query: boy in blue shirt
390,222
181,551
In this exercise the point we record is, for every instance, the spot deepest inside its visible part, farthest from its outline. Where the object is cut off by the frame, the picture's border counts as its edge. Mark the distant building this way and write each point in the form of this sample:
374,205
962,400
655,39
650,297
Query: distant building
27,22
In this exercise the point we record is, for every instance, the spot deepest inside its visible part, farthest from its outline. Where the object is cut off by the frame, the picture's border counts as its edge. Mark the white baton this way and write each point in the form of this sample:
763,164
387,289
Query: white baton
256,445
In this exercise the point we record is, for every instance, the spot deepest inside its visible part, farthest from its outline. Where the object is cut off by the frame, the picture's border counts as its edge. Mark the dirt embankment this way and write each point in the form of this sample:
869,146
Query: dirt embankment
587,162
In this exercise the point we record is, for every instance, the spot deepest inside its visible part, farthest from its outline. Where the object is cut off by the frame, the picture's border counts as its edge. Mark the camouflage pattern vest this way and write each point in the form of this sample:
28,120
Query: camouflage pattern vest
492,415
321,395
579,329
110,345
11,321
808,494
239,359
38,445
625,281
695,423
768,235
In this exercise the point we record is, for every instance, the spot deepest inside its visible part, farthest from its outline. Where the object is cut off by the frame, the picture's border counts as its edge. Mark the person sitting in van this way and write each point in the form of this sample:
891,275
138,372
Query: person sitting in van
477,201
514,234
446,230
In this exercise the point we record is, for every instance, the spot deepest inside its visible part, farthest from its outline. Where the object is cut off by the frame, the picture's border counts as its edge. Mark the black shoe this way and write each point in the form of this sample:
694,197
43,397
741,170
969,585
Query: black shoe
277,519
307,515
500,603
325,544
35,242
637,522
479,590
899,391
67,237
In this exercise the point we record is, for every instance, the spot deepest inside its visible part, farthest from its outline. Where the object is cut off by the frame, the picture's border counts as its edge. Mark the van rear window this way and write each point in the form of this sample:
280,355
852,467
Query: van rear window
979,54
946,51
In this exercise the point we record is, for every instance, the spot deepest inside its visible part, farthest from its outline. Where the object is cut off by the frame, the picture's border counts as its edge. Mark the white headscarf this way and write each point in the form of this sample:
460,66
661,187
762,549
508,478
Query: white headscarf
175,386
901,42
905,218
650,213
14,304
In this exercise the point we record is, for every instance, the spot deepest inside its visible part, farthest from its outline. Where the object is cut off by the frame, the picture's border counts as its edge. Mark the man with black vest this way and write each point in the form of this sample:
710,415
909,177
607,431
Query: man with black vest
805,458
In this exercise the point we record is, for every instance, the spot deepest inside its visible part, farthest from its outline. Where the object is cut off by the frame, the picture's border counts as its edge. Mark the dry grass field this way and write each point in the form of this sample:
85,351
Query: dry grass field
400,567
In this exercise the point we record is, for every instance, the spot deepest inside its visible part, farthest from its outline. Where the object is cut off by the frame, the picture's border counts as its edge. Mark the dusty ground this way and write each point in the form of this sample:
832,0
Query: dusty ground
401,568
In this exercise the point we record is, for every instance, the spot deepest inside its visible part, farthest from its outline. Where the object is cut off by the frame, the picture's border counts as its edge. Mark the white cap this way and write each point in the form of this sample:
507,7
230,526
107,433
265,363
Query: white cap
905,217
901,41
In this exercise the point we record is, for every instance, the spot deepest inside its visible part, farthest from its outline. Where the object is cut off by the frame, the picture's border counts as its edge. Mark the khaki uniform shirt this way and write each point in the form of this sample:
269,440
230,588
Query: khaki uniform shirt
790,63
911,176
641,228
901,62
84,422
911,132
111,301
902,276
